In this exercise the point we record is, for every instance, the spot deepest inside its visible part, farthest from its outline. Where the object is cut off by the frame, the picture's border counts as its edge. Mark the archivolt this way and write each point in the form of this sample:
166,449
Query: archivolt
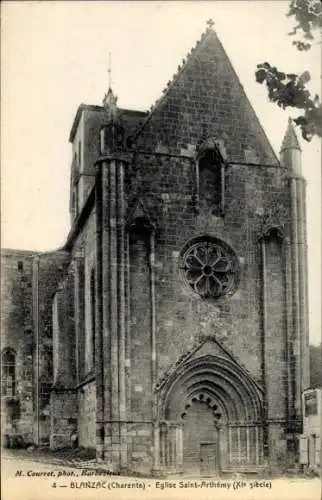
217,381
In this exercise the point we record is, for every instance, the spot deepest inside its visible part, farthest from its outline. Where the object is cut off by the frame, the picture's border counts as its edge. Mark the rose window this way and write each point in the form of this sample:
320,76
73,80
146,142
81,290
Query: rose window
210,268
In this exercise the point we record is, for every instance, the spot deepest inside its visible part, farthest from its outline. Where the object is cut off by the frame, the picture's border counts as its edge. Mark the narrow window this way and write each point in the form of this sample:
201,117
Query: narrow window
44,393
74,203
79,153
20,265
8,373
211,177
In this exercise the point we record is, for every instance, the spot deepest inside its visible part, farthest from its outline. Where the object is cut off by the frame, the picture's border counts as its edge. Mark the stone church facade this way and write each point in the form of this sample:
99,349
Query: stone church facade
176,314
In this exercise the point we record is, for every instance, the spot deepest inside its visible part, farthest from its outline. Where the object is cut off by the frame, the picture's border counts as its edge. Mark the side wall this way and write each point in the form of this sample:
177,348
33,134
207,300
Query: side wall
48,271
84,261
17,335
29,281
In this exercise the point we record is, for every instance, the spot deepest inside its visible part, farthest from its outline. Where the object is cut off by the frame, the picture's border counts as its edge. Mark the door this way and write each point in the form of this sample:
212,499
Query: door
208,459
199,429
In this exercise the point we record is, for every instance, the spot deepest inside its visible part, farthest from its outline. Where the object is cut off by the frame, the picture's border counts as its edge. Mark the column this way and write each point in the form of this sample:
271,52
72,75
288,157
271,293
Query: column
296,298
113,240
263,341
99,368
78,264
106,305
247,445
121,315
303,285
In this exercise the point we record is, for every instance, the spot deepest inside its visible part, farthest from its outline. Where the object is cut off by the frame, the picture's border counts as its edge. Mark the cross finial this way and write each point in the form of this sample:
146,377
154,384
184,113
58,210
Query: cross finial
109,71
210,23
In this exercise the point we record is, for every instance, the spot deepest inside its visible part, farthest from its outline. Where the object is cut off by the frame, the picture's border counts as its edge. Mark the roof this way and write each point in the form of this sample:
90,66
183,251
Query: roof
175,77
290,140
16,253
136,121
131,118
210,36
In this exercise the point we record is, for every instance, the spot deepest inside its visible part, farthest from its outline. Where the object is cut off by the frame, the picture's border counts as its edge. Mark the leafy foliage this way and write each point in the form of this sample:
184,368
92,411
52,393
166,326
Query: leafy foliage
308,15
290,90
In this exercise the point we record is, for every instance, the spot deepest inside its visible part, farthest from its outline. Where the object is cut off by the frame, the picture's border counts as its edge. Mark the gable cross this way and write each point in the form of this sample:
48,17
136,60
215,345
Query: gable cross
210,23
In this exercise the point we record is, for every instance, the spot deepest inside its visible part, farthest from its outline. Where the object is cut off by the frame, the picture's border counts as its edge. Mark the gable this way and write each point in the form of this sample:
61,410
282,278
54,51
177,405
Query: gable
206,98
211,348
208,348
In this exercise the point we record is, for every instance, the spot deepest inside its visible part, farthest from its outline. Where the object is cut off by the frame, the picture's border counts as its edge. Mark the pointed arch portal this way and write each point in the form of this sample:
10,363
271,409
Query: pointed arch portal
211,413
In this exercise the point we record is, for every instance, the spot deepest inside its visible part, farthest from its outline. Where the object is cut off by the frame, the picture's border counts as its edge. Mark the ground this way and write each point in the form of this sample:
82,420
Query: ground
33,476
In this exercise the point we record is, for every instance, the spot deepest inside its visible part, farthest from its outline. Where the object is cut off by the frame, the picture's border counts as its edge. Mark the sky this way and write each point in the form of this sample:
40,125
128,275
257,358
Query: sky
55,56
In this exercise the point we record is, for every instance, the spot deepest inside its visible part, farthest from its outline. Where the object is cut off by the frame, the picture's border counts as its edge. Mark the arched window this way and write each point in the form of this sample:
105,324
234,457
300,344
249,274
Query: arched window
93,315
210,178
8,372
44,393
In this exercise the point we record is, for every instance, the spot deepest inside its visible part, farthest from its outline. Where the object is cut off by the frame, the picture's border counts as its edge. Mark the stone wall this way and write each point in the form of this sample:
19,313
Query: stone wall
87,415
63,412
84,261
168,185
48,271
17,335
63,401
28,283
206,98
140,437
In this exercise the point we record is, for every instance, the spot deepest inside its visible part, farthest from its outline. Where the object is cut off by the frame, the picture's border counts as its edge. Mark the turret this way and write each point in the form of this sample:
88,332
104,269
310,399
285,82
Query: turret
290,156
112,132
291,152
110,284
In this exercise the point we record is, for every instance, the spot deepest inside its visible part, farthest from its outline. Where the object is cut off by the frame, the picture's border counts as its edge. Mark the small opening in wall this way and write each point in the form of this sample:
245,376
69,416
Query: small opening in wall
8,370
20,265
79,153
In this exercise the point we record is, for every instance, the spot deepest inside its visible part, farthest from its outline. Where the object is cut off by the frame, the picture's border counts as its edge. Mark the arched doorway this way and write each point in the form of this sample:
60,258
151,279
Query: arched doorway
218,409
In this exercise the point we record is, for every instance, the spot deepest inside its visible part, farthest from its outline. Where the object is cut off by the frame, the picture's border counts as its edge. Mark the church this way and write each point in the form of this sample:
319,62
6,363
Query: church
170,332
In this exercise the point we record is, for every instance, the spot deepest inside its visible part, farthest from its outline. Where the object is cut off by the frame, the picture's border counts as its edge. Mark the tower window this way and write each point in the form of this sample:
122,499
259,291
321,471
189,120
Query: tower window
79,153
8,372
74,167
20,265
210,178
